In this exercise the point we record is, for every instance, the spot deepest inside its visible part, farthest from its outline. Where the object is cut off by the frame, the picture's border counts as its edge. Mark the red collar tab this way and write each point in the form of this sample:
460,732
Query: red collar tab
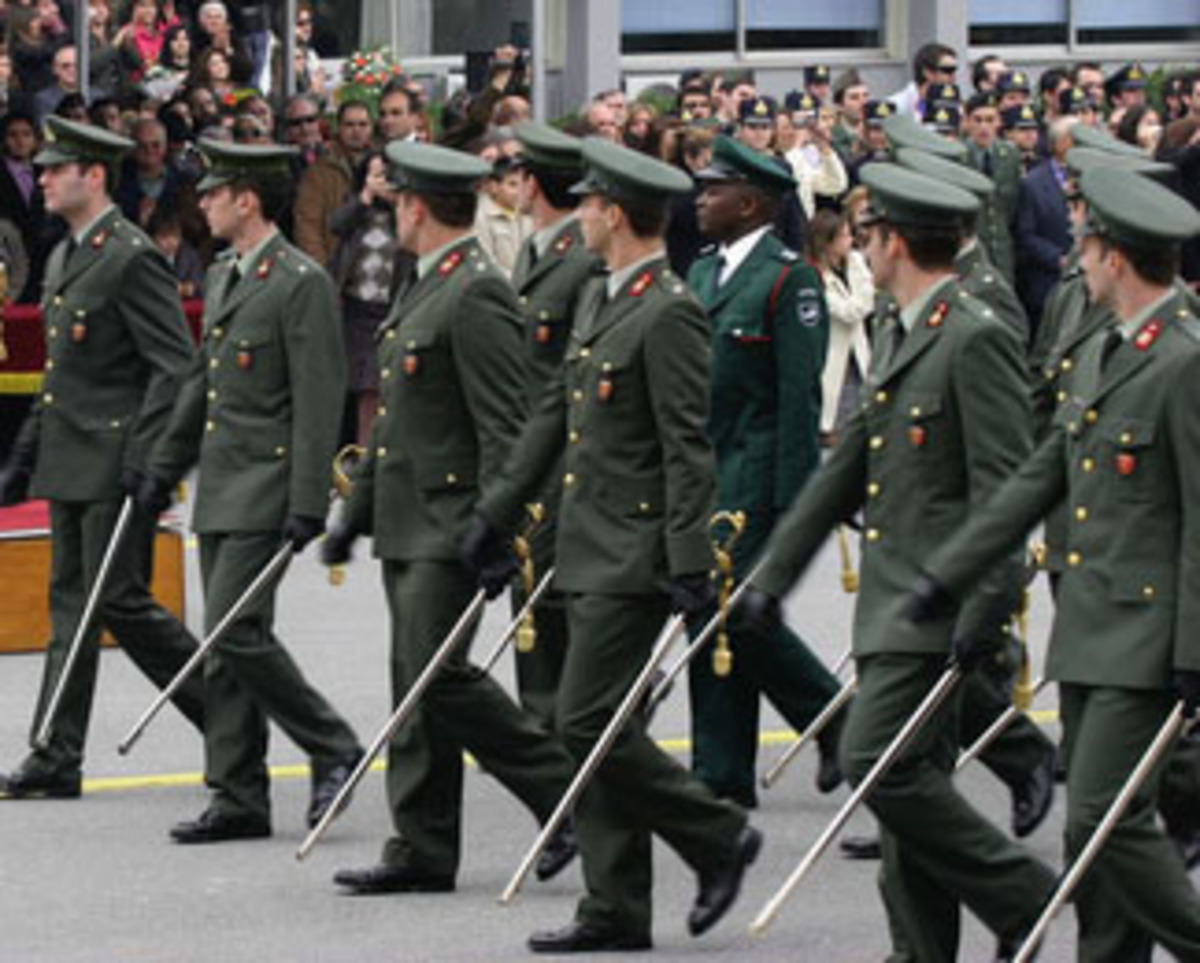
99,239
564,244
264,268
449,263
639,287
938,316
1148,334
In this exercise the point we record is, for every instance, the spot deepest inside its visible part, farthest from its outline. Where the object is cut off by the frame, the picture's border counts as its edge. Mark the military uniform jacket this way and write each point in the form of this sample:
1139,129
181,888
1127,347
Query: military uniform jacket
1124,452
770,331
262,405
451,402
980,278
117,347
998,217
629,413
942,423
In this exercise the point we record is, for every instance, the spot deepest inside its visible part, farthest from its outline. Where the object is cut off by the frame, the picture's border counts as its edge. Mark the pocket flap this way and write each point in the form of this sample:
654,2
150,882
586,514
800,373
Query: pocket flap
1129,432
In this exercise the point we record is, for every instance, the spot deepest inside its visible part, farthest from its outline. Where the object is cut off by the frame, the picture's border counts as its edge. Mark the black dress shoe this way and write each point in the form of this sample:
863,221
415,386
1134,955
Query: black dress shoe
719,889
215,826
391,879
1008,947
1032,799
1188,844
829,772
41,784
861,847
583,937
326,787
559,851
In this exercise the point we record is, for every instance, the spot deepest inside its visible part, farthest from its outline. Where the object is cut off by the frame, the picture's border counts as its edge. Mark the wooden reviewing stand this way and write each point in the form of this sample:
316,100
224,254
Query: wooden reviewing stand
25,576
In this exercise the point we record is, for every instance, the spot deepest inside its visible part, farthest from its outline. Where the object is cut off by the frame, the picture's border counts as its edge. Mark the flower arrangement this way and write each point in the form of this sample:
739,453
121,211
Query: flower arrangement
365,73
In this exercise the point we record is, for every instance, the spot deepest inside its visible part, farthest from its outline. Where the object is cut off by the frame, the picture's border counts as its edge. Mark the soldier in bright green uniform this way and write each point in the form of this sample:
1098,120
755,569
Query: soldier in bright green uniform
452,398
117,347
1124,454
944,419
550,273
628,415
259,413
769,334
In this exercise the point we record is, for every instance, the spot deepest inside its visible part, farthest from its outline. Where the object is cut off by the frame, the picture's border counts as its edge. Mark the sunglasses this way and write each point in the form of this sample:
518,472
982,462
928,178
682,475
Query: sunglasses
946,68
301,121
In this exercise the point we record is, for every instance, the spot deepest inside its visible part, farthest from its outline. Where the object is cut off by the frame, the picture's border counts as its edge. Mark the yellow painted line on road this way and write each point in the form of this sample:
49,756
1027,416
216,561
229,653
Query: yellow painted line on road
771,737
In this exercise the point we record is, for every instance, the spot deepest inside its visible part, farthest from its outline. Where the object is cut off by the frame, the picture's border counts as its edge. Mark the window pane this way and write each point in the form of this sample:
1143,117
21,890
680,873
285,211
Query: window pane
996,22
1106,21
461,26
786,24
656,26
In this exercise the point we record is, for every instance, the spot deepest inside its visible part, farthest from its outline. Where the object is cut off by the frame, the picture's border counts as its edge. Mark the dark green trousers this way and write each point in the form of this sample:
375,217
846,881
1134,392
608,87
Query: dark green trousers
1137,892
638,789
938,851
463,709
725,710
156,641
251,679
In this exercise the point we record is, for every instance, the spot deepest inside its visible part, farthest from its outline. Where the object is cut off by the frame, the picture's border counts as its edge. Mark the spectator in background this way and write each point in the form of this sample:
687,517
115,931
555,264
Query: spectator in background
9,84
1181,148
695,99
398,110
328,183
110,66
689,149
1090,77
1142,127
168,75
106,112
148,182
32,49
214,31
22,202
166,232
818,169
312,78
144,35
756,129
500,227
730,90
1051,84
640,131
302,129
212,70
987,72
73,107
850,298
203,108
850,96
600,120
933,63
65,66
1043,237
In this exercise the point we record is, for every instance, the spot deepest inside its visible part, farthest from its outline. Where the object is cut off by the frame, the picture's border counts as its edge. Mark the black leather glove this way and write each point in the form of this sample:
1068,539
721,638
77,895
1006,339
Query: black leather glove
14,485
692,594
131,481
484,551
928,600
1186,684
970,652
338,545
761,611
302,529
153,494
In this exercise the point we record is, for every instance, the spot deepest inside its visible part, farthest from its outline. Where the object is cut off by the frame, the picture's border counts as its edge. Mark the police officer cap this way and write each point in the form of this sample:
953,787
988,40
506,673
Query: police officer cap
902,196
734,161
228,162
429,169
816,74
757,110
1022,117
799,102
875,112
1129,77
546,148
944,94
69,142
1013,82
621,174
1073,100
1085,135
903,131
980,100
959,175
1135,210
1081,159
946,119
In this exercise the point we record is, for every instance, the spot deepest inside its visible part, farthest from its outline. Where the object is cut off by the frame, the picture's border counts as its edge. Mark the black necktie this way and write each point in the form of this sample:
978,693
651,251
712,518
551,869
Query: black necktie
722,262
231,282
1112,341
72,247
987,162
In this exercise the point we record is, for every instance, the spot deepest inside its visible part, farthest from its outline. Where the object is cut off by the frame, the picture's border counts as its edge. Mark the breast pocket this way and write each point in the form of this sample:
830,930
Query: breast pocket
258,359
1130,447
421,360
924,425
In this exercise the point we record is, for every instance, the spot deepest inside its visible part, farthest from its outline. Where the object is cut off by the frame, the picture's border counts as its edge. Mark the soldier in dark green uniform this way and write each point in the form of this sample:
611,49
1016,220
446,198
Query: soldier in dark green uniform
550,273
452,398
944,420
770,331
1000,162
259,413
628,415
1124,454
117,347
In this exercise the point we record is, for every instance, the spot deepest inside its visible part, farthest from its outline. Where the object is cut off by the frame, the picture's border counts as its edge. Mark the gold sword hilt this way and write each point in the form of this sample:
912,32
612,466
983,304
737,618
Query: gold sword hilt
343,486
722,657
849,573
526,640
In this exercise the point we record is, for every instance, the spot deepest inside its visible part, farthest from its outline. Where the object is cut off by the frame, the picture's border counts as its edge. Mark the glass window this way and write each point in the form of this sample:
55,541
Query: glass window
1000,22
670,26
787,25
336,26
1117,21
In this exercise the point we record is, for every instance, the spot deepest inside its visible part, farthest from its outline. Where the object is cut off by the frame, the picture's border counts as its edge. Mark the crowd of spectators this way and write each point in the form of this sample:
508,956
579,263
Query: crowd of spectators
168,73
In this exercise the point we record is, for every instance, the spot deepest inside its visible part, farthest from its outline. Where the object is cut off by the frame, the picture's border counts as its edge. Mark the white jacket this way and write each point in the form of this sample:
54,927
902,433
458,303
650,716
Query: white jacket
828,178
849,302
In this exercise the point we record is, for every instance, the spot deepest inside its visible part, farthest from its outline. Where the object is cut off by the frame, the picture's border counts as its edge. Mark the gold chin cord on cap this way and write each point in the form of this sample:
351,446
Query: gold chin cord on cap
344,463
526,631
722,663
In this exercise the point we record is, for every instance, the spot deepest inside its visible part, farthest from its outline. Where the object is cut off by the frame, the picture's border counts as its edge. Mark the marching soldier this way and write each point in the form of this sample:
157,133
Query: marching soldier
451,402
117,347
770,331
943,420
630,413
1124,455
259,413
550,273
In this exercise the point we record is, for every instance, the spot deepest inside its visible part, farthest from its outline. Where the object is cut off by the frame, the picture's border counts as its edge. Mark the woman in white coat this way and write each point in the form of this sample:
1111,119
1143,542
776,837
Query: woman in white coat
850,296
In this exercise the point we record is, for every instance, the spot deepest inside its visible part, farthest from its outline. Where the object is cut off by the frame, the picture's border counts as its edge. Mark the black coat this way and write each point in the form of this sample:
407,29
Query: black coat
1043,237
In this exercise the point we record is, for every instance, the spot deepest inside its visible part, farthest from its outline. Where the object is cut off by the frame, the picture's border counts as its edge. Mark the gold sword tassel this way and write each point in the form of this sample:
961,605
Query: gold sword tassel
849,574
527,631
722,658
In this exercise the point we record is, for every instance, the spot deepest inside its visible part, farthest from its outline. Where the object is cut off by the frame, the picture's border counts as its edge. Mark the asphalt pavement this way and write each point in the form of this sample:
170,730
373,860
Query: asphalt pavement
97,879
